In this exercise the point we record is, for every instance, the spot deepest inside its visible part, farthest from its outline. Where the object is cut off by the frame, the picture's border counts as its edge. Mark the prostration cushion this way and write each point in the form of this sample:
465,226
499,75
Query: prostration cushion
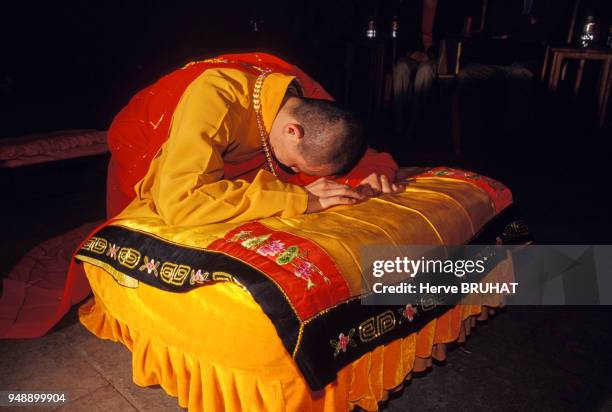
215,348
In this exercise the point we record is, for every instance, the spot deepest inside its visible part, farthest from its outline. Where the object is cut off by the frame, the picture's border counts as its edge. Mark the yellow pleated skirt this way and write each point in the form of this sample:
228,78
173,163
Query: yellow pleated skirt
214,349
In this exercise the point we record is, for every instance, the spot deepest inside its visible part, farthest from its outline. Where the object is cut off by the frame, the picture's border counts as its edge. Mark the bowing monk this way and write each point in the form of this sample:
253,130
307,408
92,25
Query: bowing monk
237,138
230,139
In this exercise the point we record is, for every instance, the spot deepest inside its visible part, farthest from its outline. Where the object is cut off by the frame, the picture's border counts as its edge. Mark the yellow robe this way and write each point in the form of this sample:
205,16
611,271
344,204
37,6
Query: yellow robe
214,123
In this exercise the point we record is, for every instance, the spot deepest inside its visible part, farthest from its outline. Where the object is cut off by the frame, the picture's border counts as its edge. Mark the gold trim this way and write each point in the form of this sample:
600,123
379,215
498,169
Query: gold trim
299,339
121,278
324,311
263,135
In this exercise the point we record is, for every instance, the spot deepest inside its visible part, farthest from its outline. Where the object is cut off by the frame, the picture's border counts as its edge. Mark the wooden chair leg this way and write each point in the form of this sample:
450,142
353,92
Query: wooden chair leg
579,77
556,72
564,70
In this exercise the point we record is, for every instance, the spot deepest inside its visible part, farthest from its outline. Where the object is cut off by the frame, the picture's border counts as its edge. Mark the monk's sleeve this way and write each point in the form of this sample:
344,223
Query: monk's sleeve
189,188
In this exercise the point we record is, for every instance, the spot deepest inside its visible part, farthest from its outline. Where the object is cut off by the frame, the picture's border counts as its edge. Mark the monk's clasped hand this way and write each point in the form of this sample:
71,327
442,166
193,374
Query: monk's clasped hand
376,184
324,193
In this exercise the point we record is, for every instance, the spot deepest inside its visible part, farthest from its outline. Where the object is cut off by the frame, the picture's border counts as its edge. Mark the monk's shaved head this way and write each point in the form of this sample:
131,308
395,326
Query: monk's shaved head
332,135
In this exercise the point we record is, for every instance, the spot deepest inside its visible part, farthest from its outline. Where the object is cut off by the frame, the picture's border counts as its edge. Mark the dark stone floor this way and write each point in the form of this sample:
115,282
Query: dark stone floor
94,375
524,359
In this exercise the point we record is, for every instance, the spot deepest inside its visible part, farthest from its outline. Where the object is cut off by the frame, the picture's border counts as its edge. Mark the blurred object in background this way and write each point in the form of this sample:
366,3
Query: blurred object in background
371,31
589,21
256,24
581,70
394,27
496,83
414,72
589,37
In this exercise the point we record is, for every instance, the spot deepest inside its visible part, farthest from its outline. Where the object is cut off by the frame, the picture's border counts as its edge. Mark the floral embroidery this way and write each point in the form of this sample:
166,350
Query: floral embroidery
343,342
443,172
242,235
198,276
288,255
408,312
305,270
253,242
112,251
272,248
282,255
150,266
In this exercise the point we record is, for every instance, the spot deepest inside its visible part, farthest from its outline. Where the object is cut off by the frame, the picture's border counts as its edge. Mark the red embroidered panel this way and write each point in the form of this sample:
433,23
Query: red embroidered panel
499,193
303,270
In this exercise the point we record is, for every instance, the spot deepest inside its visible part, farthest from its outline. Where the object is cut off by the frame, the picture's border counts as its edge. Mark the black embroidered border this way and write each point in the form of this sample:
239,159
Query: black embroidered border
309,342
264,291
315,359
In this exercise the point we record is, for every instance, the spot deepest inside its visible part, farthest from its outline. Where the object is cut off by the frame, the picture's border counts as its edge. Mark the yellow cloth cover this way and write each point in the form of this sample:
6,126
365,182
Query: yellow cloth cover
215,349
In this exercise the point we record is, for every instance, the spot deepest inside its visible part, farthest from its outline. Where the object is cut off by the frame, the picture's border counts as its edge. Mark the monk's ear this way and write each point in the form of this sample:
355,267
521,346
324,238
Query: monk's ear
294,130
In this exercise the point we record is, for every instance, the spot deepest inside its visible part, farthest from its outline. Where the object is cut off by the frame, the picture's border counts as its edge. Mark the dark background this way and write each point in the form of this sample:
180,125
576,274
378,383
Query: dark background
75,64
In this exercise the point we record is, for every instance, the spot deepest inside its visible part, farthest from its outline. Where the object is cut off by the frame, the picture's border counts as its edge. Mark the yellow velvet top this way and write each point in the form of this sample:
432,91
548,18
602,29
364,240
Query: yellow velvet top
214,123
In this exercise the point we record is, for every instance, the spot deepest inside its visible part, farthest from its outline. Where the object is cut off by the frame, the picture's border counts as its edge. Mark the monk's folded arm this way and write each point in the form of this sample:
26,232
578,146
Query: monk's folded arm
232,201
187,184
